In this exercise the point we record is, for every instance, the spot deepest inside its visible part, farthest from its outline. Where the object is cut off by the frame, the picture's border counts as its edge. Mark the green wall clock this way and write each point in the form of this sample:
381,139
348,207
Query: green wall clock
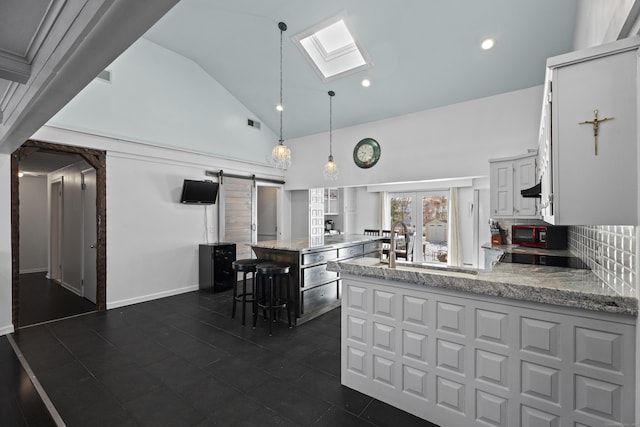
366,153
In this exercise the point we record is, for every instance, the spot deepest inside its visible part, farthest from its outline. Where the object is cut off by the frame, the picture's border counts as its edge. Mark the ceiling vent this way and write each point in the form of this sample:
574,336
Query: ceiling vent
105,76
253,123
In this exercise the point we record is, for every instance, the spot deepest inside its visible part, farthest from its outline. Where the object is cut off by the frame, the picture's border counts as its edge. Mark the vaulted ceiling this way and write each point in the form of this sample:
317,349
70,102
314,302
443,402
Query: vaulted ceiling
425,53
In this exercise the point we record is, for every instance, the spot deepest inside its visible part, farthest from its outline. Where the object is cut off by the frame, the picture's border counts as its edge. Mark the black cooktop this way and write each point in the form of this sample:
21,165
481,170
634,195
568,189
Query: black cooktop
550,260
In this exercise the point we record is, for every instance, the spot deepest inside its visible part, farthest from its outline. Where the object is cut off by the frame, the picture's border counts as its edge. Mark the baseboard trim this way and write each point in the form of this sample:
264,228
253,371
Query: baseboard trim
34,270
70,288
150,297
6,330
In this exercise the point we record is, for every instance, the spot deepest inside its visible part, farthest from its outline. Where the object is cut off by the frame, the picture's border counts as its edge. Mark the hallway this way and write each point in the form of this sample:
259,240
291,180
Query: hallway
42,300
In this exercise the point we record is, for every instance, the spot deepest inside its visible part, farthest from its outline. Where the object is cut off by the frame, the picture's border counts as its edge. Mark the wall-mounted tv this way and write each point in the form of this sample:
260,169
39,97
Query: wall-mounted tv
199,192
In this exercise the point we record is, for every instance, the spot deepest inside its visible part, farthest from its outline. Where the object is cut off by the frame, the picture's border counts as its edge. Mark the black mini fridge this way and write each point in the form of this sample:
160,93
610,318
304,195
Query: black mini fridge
216,271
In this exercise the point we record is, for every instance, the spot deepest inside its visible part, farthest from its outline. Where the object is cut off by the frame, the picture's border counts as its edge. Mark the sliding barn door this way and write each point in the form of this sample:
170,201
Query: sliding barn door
238,210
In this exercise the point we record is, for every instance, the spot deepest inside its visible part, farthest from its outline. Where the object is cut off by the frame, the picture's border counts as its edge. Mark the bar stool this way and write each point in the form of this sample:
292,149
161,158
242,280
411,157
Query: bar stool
244,266
269,293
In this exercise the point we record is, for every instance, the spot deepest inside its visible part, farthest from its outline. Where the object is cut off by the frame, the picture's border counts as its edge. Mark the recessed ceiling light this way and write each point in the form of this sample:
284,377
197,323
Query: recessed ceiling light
279,107
332,48
366,83
488,44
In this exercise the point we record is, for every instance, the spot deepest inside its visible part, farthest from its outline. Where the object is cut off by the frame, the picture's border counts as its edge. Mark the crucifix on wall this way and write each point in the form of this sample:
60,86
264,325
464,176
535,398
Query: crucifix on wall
595,123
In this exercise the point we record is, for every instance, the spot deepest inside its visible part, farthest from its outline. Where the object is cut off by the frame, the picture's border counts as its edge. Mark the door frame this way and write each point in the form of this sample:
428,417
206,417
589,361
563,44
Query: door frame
87,242
416,212
55,242
97,159
276,198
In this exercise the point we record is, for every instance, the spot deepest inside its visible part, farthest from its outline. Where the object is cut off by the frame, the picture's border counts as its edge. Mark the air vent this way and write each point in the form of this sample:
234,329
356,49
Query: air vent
253,123
105,76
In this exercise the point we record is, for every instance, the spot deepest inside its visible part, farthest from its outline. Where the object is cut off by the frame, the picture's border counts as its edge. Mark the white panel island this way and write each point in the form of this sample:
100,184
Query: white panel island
516,346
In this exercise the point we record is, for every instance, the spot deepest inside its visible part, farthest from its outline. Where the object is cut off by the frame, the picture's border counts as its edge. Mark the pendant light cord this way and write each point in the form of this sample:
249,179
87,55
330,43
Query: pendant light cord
282,27
331,95
330,125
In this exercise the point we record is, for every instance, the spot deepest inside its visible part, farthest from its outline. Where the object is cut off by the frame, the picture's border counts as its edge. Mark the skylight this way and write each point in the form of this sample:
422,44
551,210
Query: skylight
332,48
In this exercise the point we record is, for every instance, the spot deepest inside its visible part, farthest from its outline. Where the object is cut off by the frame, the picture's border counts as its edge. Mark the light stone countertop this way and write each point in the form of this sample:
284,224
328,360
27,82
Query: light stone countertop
305,244
578,288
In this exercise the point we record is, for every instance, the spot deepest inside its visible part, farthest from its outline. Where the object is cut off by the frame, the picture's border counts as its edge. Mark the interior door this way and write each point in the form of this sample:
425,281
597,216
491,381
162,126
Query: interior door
89,235
267,213
238,212
55,231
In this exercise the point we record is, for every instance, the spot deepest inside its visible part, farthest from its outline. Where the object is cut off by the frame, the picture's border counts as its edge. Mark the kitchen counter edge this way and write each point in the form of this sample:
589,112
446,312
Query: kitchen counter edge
326,242
513,282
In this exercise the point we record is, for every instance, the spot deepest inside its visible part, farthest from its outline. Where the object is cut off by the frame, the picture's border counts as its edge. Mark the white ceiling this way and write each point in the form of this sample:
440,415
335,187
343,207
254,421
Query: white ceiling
23,28
425,53
42,162
51,49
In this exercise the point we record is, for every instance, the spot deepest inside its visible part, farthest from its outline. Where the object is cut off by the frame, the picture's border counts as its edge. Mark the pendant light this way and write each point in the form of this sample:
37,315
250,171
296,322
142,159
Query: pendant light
331,168
281,154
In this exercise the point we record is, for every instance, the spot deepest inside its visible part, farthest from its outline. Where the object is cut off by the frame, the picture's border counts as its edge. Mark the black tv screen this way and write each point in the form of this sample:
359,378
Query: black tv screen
199,192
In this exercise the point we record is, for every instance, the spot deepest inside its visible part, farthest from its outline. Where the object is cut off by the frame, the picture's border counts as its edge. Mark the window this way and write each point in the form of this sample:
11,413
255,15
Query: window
426,213
332,48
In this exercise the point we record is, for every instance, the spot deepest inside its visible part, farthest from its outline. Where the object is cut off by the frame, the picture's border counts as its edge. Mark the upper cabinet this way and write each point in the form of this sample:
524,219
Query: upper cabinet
588,141
331,206
508,176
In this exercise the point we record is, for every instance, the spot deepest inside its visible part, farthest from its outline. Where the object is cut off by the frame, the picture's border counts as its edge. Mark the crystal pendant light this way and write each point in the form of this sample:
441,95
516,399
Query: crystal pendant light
331,168
281,154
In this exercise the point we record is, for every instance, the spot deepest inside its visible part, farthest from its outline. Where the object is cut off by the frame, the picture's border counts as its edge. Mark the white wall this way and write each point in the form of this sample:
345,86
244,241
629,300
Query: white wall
152,239
156,99
34,224
448,142
159,97
5,245
299,224
600,21
366,204
368,208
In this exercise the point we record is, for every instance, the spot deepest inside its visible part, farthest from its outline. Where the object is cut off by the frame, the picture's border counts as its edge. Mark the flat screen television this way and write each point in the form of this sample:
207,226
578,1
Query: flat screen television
199,192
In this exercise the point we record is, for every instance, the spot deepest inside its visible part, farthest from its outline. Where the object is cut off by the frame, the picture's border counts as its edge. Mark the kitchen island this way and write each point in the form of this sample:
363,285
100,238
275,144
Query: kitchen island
515,345
314,289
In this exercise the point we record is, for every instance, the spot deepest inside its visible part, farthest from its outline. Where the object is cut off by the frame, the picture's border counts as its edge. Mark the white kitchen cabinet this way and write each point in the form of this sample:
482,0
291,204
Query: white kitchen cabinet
508,176
331,202
459,359
580,187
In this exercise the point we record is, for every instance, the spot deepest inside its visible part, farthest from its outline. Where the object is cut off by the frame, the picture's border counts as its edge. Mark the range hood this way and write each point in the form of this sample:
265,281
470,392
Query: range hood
534,191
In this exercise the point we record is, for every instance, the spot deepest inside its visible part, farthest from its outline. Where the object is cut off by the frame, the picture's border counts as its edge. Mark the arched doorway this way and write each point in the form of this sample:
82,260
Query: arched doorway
97,160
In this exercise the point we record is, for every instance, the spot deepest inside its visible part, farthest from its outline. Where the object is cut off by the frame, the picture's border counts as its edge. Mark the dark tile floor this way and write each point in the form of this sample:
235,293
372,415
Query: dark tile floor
20,404
41,300
182,361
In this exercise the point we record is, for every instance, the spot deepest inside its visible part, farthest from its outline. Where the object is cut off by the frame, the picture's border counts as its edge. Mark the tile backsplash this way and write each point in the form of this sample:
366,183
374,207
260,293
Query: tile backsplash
610,252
